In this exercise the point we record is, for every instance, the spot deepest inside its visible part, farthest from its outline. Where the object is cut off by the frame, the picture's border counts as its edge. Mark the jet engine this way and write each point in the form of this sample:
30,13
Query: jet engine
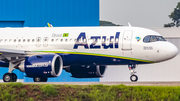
86,71
46,65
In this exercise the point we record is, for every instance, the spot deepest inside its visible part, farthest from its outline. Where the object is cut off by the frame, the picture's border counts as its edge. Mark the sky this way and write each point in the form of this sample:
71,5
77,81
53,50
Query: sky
141,13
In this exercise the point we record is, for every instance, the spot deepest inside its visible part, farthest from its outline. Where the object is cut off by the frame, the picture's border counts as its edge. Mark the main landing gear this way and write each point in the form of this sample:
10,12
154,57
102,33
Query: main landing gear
10,77
132,68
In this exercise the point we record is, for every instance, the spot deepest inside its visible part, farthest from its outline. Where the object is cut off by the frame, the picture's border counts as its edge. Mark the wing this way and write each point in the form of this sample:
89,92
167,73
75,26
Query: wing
15,56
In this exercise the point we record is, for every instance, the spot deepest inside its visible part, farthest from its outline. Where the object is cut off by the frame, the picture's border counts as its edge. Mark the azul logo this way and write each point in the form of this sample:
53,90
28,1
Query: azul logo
138,39
82,36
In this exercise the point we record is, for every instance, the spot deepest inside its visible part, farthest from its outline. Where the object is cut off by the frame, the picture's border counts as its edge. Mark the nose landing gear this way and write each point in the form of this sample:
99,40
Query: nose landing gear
132,68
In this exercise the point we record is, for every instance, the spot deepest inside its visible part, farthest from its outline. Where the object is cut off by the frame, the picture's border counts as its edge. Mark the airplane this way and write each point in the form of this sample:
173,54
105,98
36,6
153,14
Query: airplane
85,52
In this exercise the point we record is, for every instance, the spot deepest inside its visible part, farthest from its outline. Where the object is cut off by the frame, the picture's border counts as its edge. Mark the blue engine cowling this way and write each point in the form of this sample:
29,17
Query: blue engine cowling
46,65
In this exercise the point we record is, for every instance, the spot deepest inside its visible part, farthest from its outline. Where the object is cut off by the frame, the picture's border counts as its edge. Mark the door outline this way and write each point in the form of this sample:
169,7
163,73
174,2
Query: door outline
127,40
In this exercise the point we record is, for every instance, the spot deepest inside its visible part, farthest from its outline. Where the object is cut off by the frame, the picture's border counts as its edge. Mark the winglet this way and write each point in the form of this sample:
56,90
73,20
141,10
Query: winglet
129,24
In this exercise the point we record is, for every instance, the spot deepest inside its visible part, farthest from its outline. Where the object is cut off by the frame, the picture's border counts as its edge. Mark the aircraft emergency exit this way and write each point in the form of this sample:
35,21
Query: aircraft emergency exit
82,51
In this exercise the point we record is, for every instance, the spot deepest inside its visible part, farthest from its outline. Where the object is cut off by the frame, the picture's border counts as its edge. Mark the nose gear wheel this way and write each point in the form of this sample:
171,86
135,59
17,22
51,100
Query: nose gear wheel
132,68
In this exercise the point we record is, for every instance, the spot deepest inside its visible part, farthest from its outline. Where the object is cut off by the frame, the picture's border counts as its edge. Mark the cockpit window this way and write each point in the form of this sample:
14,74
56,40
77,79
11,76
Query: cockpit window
153,38
147,38
160,38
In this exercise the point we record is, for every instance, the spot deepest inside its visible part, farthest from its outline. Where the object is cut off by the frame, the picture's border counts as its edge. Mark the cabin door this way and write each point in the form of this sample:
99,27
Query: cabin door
127,40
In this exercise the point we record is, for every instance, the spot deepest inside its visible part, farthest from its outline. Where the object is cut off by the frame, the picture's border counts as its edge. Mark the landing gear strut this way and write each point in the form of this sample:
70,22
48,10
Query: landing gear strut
10,77
132,68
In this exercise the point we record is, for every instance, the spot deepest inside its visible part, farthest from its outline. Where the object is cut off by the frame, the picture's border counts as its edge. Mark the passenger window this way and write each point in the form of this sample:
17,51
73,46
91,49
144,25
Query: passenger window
5,40
61,40
9,40
28,40
14,40
56,40
32,40
0,40
52,40
107,39
66,40
19,40
24,40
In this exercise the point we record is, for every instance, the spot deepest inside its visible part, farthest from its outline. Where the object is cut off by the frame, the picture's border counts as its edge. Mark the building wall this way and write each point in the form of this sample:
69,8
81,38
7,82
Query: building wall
37,13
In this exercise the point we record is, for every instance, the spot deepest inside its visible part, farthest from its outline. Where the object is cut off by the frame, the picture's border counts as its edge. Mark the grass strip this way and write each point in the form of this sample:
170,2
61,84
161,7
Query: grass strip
50,92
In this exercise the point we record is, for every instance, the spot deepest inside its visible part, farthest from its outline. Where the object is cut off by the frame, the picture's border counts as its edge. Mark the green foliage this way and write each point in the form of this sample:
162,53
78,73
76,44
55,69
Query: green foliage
49,90
31,99
40,92
175,17
169,25
18,84
23,93
107,23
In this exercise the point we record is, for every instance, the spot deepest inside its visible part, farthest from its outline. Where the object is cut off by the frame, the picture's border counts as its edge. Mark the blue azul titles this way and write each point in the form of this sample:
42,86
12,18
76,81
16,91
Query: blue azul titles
82,41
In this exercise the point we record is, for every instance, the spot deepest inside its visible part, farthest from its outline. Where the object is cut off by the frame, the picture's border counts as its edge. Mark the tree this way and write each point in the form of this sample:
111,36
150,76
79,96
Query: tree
175,16
107,23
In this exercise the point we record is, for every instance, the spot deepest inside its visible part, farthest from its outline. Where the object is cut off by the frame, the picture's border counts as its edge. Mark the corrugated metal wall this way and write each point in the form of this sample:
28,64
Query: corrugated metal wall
37,13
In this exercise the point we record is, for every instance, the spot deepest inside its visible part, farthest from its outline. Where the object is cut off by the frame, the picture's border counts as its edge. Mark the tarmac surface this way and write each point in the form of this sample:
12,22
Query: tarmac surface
111,83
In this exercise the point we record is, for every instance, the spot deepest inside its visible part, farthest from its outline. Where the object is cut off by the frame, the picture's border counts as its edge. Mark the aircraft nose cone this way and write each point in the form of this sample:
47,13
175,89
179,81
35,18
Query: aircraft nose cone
172,50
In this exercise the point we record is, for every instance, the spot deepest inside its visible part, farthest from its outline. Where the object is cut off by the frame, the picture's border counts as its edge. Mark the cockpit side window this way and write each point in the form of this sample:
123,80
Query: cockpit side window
160,38
153,38
147,38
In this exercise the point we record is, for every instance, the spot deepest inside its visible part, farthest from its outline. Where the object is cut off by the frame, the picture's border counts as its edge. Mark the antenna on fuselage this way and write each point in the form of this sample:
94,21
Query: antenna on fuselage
129,24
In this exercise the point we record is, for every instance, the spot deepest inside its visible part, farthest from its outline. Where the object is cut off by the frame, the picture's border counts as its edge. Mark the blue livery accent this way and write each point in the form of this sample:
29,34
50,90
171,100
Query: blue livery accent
81,36
4,64
99,60
39,65
82,41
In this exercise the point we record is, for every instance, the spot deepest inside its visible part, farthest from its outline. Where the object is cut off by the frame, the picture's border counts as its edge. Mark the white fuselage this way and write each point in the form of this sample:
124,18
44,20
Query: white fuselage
93,41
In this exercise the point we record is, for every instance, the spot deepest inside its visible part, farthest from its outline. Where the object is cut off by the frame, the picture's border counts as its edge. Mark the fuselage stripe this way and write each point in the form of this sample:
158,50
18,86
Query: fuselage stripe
94,54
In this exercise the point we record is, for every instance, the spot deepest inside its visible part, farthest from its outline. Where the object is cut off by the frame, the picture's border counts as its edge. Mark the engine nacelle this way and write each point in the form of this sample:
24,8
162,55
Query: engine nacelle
46,65
86,71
